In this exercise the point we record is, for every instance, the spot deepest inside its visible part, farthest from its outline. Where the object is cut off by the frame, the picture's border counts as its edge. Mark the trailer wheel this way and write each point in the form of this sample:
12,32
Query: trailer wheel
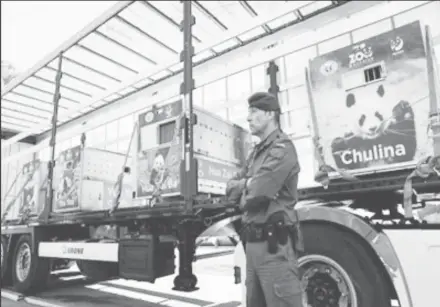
338,271
98,270
29,272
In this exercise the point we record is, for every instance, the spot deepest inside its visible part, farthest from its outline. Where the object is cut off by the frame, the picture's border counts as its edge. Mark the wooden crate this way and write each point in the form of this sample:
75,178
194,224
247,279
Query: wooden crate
219,146
33,194
371,102
84,180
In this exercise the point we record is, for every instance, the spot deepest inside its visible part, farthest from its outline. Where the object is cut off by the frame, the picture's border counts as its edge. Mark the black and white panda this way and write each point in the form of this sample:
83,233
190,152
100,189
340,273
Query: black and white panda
383,132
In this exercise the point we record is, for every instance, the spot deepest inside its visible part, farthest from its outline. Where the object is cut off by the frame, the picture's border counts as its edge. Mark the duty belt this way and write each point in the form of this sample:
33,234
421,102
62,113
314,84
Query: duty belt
272,233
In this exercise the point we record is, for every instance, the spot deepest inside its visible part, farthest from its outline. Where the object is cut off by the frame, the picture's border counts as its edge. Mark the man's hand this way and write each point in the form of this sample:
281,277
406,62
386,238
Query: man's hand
234,183
235,188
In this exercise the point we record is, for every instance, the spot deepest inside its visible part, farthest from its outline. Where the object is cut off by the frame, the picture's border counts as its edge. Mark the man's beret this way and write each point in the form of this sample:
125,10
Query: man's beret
264,101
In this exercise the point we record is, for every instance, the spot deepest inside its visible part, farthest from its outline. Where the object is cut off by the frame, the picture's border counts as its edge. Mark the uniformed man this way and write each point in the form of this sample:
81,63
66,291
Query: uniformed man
267,191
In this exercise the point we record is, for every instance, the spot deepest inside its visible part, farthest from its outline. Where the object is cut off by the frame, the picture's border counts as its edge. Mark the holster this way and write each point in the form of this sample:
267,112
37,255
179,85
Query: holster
283,232
261,233
275,232
272,239
277,224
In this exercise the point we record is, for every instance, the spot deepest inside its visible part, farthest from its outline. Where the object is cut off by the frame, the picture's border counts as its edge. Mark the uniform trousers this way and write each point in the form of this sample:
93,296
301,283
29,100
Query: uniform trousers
272,280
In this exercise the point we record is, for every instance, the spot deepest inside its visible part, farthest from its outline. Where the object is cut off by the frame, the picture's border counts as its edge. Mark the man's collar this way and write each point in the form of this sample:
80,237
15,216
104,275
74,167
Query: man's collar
269,139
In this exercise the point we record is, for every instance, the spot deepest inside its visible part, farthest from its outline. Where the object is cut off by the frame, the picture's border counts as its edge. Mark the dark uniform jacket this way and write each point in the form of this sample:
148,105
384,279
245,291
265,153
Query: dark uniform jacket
273,169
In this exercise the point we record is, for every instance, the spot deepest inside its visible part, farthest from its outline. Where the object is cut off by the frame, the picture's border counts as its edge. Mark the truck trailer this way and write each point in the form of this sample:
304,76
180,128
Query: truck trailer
369,189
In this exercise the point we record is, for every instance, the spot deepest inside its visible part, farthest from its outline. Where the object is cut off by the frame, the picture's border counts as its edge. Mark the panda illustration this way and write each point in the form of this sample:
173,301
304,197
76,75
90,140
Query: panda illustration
159,172
29,191
382,131
60,180
68,163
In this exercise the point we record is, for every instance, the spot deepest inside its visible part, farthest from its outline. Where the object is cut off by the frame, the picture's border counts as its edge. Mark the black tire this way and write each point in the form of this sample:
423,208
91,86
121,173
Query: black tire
349,252
5,263
39,269
98,270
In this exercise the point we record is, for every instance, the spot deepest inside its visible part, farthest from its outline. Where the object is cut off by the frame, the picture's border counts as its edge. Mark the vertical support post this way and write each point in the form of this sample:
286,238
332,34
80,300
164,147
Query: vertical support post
51,164
189,166
186,280
434,92
274,88
272,71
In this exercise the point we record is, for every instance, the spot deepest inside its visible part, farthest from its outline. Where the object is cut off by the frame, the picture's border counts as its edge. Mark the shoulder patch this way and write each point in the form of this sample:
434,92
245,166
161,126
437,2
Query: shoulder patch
280,145
278,152
281,148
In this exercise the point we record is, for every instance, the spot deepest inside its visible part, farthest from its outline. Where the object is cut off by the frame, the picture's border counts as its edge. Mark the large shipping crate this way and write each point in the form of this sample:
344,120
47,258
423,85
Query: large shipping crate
371,102
30,191
220,148
35,191
84,180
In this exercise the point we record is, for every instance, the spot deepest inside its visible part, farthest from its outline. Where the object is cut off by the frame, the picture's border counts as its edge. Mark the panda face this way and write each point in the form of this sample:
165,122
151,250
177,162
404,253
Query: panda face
369,111
159,163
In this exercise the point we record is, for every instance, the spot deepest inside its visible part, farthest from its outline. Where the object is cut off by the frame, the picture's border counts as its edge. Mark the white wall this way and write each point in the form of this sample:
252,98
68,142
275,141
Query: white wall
224,83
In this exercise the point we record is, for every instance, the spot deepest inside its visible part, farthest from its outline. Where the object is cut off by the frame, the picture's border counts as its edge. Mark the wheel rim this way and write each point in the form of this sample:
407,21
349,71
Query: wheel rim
23,262
326,283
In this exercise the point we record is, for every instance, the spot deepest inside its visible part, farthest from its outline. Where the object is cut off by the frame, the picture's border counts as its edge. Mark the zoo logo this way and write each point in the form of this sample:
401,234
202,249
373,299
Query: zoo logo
360,55
149,117
396,45
329,68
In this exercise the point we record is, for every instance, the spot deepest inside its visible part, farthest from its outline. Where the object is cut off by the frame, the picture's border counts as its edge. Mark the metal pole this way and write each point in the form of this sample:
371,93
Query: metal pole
189,169
186,280
434,95
51,164
272,71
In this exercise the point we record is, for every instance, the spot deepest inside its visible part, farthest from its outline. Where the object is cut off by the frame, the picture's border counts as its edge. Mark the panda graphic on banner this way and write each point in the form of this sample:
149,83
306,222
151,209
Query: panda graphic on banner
31,189
158,165
379,135
371,101
67,175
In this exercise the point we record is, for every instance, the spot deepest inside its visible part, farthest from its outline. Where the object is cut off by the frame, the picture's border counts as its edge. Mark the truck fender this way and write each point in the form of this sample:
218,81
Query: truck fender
379,243
377,240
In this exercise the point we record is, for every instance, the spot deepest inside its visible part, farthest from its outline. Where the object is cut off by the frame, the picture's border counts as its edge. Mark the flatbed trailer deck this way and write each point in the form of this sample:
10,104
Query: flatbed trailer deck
206,209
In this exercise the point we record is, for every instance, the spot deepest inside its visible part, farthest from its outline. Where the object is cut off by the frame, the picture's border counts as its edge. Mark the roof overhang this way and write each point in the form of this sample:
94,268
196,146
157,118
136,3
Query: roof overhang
7,134
120,53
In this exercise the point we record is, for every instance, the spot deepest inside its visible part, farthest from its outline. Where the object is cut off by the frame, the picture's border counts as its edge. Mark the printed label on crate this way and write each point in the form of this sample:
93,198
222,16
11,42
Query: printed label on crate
372,101
67,179
158,171
215,171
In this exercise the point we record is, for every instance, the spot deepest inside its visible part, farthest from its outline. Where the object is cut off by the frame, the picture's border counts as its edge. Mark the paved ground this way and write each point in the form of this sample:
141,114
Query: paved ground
71,290
216,284
8,303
